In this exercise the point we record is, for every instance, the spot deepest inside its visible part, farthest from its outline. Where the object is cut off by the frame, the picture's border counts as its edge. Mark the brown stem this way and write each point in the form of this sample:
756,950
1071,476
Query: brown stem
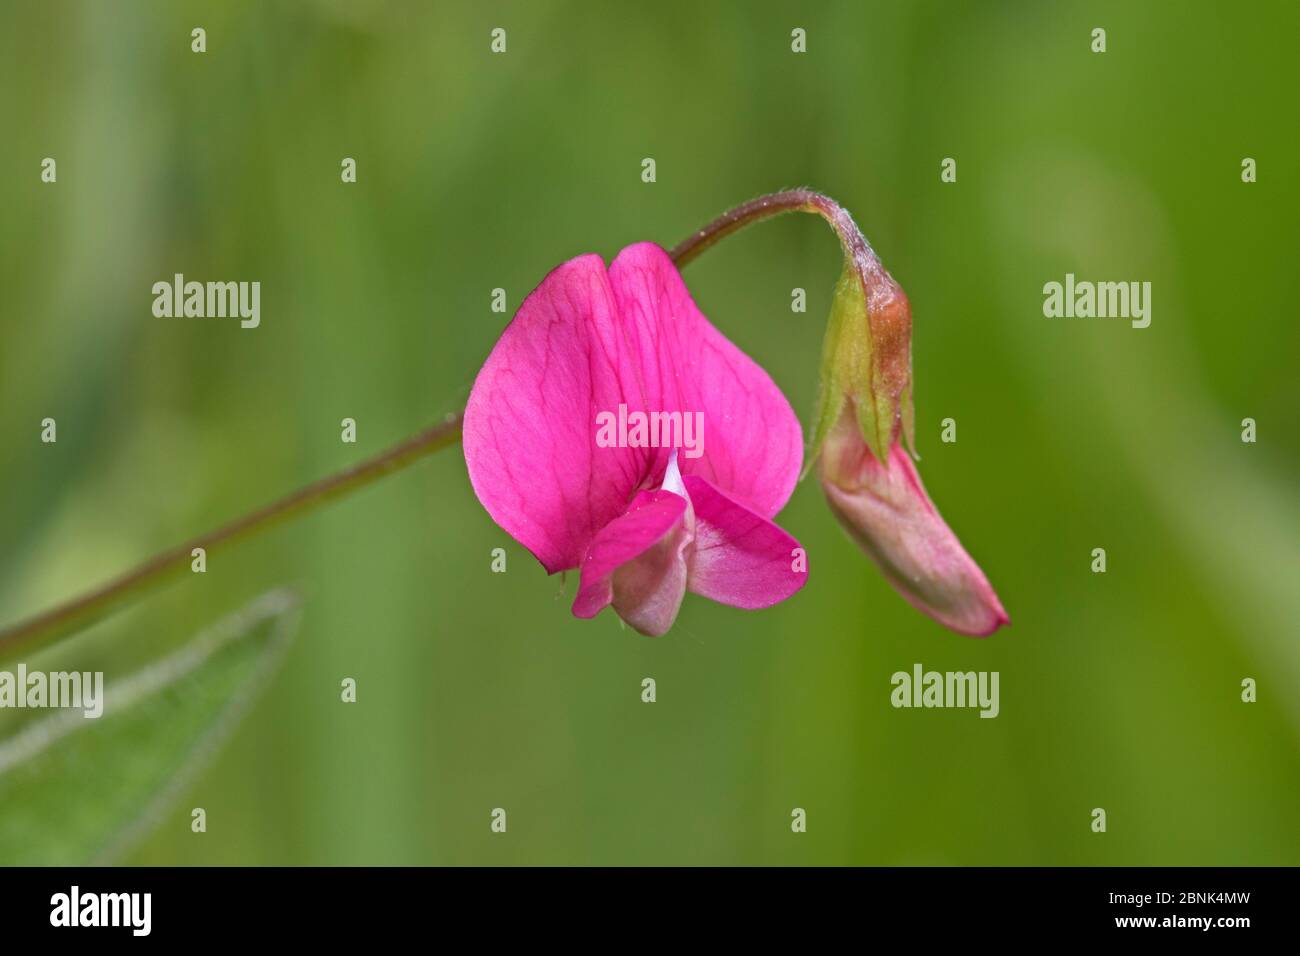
775,204
89,607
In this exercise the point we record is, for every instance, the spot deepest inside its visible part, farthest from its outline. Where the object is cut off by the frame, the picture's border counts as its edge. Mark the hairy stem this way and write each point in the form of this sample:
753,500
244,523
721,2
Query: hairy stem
91,606
776,204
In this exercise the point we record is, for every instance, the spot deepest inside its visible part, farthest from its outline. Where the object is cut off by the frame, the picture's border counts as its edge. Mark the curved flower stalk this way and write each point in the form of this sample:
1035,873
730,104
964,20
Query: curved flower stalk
867,356
645,517
864,412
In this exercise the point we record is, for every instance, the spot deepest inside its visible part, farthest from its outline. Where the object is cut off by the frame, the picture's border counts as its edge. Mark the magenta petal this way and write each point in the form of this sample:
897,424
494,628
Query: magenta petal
529,423
753,444
740,557
590,343
637,562
889,515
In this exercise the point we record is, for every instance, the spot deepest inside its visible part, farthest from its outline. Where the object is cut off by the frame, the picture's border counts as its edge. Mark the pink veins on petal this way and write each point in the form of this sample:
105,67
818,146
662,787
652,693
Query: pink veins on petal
644,524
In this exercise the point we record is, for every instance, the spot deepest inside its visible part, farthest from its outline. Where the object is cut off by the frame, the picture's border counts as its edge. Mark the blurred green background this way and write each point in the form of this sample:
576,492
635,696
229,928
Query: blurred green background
475,171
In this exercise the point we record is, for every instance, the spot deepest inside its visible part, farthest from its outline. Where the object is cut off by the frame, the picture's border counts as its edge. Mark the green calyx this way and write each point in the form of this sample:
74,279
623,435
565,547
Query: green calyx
874,376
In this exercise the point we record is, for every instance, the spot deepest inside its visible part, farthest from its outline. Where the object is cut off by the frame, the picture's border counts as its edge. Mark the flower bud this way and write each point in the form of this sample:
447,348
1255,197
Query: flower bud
886,511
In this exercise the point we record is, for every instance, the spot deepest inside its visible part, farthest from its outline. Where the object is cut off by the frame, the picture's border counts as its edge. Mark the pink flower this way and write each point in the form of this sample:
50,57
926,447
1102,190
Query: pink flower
645,522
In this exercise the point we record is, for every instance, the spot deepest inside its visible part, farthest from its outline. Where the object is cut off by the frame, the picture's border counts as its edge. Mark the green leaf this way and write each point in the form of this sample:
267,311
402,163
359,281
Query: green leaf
77,790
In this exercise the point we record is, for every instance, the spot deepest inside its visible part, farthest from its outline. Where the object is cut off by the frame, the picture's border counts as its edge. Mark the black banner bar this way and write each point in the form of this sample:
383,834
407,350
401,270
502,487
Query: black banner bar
1224,905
